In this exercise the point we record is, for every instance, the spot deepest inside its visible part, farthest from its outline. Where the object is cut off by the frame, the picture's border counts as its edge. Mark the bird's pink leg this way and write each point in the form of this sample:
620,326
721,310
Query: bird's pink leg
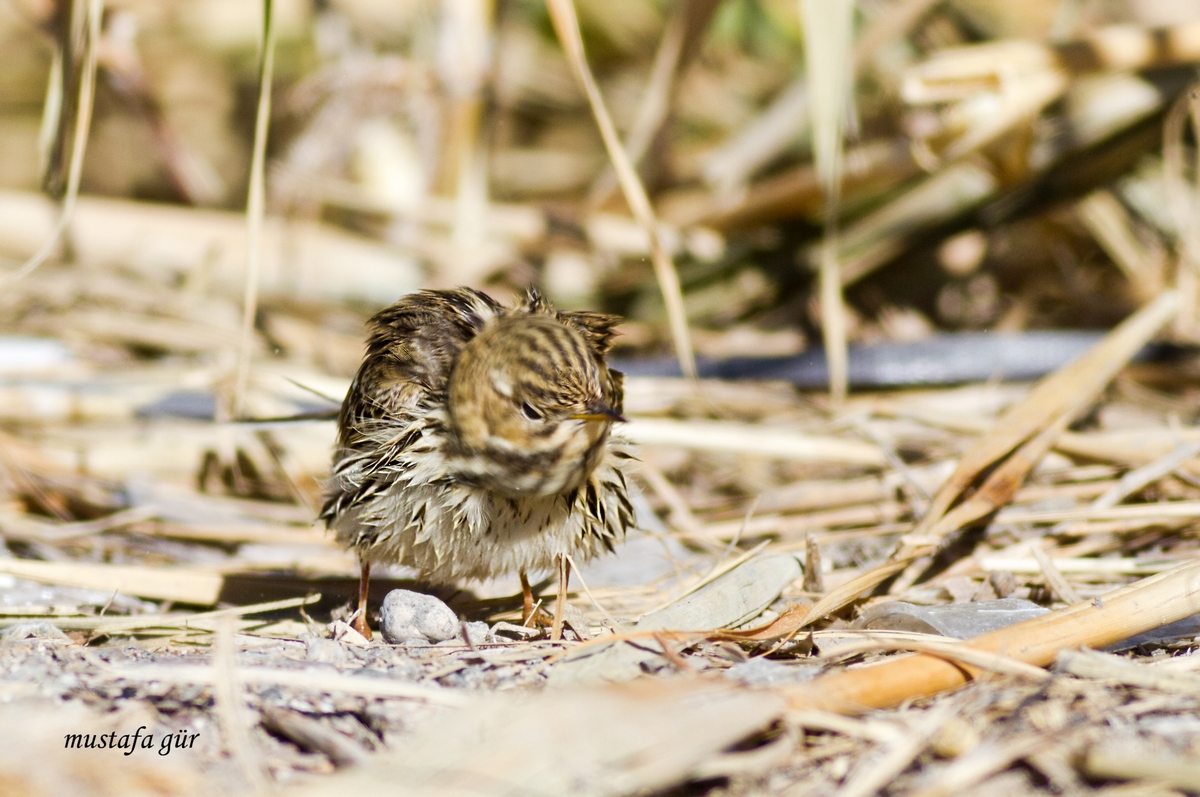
526,600
360,620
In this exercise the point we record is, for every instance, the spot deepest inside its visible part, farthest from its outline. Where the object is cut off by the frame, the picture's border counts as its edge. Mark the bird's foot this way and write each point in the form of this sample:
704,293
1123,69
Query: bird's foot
536,617
360,625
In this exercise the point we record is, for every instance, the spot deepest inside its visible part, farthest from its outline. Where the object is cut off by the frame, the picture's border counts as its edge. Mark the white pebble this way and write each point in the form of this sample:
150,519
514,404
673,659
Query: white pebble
406,616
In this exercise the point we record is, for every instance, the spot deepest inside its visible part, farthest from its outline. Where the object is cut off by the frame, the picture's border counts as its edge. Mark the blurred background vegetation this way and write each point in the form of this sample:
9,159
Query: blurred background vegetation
1011,188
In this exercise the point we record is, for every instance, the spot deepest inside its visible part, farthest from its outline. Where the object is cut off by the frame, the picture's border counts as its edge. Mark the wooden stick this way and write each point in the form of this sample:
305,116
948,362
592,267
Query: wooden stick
1123,613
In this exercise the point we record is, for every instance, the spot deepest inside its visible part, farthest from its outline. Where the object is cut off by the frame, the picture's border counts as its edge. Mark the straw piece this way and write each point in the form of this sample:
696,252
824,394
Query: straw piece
684,30
1143,263
566,25
255,206
1054,578
1061,393
83,123
1109,667
1119,762
1159,510
1125,612
830,65
229,700
751,440
1027,564
875,774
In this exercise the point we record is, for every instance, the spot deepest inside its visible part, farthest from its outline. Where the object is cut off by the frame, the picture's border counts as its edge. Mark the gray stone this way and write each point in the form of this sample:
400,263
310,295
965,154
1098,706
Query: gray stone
477,632
325,651
957,620
407,615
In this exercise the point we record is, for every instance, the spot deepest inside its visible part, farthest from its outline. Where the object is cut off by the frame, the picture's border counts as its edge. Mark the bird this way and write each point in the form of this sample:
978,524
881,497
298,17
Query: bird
475,440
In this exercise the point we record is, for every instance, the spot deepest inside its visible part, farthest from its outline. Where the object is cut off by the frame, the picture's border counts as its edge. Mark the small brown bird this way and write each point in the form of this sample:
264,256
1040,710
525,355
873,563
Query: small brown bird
475,442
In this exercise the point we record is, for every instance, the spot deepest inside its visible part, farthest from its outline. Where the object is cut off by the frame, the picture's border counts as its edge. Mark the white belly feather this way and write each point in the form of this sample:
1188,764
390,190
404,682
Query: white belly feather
451,531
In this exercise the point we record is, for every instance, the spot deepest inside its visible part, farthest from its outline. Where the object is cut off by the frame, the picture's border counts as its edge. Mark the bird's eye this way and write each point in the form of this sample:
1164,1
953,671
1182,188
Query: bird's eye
529,412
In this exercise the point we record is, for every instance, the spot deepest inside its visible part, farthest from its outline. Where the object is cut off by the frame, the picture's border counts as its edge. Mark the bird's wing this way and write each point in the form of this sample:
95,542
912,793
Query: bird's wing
411,347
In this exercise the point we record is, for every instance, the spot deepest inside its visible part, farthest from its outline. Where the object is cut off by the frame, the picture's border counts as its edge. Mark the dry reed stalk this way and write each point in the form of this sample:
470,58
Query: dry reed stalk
1054,577
751,440
311,735
951,649
1137,447
83,122
868,514
1082,566
1142,262
464,62
1160,510
1008,452
1021,101
968,770
874,775
566,25
255,207
685,26
1113,761
229,704
872,240
879,236
680,514
264,534
830,69
1111,667
1057,397
1120,614
21,527
956,73
1183,198
521,224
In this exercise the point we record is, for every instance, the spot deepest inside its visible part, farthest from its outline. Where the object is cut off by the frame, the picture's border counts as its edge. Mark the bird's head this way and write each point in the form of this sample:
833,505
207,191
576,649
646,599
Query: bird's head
530,405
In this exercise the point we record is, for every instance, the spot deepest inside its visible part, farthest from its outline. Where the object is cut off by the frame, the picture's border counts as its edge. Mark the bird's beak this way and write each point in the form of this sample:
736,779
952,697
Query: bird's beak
598,411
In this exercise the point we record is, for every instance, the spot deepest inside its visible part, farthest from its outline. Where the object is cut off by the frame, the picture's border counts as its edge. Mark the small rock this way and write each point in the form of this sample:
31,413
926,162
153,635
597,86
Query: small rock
407,615
325,651
477,632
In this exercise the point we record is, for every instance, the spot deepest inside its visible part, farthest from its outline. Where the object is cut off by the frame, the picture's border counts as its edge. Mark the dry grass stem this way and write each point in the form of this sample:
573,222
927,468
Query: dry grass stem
79,139
566,25
231,710
255,206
